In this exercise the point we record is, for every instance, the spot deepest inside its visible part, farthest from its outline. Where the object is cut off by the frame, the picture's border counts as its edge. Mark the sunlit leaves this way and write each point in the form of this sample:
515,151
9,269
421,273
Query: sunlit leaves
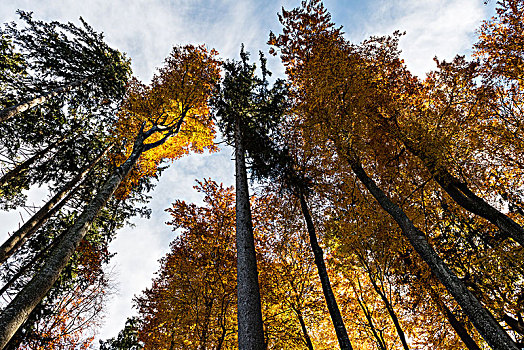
174,103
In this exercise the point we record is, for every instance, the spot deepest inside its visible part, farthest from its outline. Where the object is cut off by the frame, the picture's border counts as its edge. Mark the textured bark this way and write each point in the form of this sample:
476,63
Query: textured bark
10,112
481,318
24,166
18,310
334,312
19,237
463,196
250,325
455,323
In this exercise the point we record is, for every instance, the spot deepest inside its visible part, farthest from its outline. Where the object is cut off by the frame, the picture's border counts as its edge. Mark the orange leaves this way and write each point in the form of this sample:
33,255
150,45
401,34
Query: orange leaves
172,112
501,41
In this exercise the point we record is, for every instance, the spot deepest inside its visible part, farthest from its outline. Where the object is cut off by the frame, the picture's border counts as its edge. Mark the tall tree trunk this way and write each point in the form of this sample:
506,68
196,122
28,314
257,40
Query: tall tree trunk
455,323
10,112
463,196
481,318
18,310
334,312
250,325
307,338
24,166
18,238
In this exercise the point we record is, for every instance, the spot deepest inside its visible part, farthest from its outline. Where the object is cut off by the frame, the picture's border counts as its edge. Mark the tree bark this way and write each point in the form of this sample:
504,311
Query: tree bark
481,318
334,312
463,196
24,166
18,310
455,323
18,238
10,112
250,325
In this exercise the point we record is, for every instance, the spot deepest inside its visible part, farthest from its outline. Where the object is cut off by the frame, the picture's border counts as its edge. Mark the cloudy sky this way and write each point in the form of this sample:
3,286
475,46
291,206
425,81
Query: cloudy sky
147,29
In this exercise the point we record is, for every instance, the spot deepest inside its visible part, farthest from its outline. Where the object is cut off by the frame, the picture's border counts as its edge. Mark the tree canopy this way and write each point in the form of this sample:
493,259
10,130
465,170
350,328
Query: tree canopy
385,210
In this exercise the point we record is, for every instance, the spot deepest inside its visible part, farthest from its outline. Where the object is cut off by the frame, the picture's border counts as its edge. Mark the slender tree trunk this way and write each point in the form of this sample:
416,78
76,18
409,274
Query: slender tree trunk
463,196
307,338
481,318
250,325
331,302
205,331
379,338
18,238
516,325
389,307
24,166
222,337
455,323
18,310
10,112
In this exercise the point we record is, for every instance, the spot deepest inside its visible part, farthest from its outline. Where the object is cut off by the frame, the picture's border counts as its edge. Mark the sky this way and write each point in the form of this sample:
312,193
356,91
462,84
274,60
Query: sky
146,30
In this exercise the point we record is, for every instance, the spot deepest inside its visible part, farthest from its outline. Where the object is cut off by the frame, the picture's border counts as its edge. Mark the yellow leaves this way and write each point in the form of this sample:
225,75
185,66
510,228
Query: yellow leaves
172,111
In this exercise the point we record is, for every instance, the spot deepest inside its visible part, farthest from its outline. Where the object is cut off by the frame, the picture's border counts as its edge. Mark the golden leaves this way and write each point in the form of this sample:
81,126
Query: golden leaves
175,103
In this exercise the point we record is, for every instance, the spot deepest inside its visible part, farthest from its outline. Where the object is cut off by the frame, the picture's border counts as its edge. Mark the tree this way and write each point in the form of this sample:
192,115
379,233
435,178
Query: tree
350,108
127,338
62,57
19,237
191,303
154,117
237,103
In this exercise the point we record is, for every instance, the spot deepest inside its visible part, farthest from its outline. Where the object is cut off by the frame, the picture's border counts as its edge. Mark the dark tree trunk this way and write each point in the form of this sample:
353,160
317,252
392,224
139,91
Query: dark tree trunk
455,323
389,307
331,302
481,318
10,112
516,325
250,325
24,166
18,238
463,196
307,338
18,310
381,343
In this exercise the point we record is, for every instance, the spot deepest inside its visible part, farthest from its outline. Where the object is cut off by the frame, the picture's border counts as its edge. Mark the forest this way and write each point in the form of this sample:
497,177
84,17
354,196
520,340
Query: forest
372,208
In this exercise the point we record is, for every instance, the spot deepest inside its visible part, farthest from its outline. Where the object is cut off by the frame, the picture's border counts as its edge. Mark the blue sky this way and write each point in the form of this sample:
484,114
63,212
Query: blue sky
147,29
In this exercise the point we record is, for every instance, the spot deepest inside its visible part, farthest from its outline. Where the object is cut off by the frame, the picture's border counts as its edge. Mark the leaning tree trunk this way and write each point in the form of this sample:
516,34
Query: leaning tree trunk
481,318
19,309
10,112
24,166
250,326
19,237
463,196
334,312
307,338
453,321
389,307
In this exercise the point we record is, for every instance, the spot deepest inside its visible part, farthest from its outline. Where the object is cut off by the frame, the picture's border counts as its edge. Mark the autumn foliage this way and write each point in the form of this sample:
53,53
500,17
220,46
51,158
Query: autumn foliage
175,101
408,190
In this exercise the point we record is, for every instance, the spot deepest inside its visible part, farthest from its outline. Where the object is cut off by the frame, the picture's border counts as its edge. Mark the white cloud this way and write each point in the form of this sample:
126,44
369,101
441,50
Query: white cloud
442,28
